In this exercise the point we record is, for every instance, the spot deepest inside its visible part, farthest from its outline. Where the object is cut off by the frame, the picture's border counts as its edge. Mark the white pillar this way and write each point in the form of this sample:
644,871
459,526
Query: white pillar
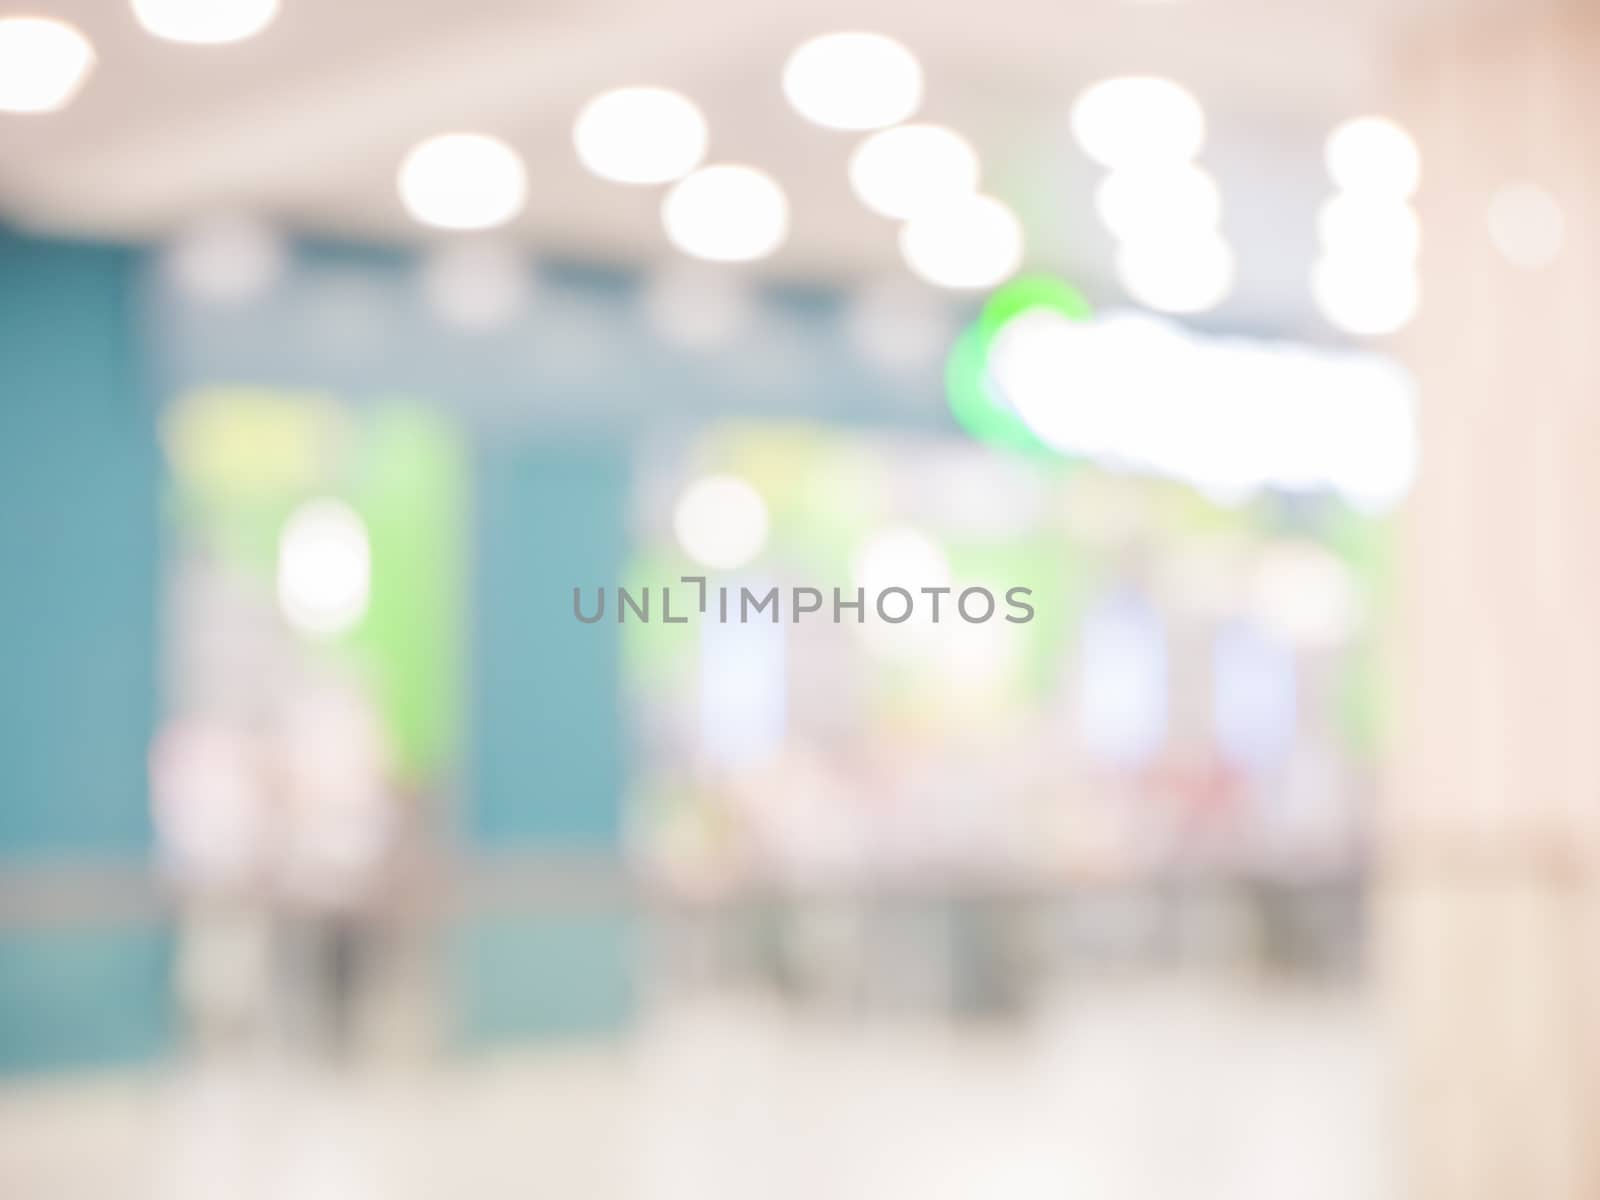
1490,860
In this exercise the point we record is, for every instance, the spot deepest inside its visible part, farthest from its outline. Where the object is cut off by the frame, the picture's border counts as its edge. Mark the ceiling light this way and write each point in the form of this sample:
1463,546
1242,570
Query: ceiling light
324,568
721,522
853,81
973,242
899,172
463,181
1526,225
1158,201
475,286
640,135
726,214
1371,228
205,21
1365,299
43,63
1177,275
1138,121
1373,156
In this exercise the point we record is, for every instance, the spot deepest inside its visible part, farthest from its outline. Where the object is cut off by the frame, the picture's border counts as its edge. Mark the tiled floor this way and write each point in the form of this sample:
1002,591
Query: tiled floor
1134,1092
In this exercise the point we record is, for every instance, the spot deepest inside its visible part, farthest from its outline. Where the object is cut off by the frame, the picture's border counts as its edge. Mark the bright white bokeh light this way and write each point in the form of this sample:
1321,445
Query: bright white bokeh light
1228,417
1366,299
901,557
1373,156
463,181
1366,228
909,169
475,286
1526,225
973,242
1086,388
43,63
1370,436
726,214
853,81
640,135
900,326
324,568
1159,202
697,307
1178,274
226,259
721,522
1138,121
906,558
208,22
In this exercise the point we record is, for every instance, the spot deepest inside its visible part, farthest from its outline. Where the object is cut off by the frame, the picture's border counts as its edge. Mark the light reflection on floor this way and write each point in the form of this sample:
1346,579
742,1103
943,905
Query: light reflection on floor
1132,1092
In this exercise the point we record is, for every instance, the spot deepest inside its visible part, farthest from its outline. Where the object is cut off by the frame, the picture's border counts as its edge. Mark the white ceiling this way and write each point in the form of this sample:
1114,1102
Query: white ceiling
308,122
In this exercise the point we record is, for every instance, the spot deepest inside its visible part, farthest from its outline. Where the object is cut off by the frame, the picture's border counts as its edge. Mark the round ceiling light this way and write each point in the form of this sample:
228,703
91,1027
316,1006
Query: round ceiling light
853,81
1371,228
973,242
1158,201
463,181
1138,121
207,22
1373,156
1183,275
902,171
726,214
640,135
1369,300
43,63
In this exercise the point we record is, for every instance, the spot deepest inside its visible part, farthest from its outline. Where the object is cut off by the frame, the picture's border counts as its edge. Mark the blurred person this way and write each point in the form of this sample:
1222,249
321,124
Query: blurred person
211,813
336,837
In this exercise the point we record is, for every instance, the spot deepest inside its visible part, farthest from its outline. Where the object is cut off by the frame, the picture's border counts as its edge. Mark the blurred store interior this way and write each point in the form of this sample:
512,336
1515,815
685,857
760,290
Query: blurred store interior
350,353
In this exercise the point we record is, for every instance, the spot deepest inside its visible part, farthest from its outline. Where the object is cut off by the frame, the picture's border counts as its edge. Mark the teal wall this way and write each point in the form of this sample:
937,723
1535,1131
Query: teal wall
547,763
84,995
78,555
79,480
546,767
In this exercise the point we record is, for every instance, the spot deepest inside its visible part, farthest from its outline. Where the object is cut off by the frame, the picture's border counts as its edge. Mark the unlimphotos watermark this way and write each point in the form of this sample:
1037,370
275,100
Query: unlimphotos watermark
893,605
